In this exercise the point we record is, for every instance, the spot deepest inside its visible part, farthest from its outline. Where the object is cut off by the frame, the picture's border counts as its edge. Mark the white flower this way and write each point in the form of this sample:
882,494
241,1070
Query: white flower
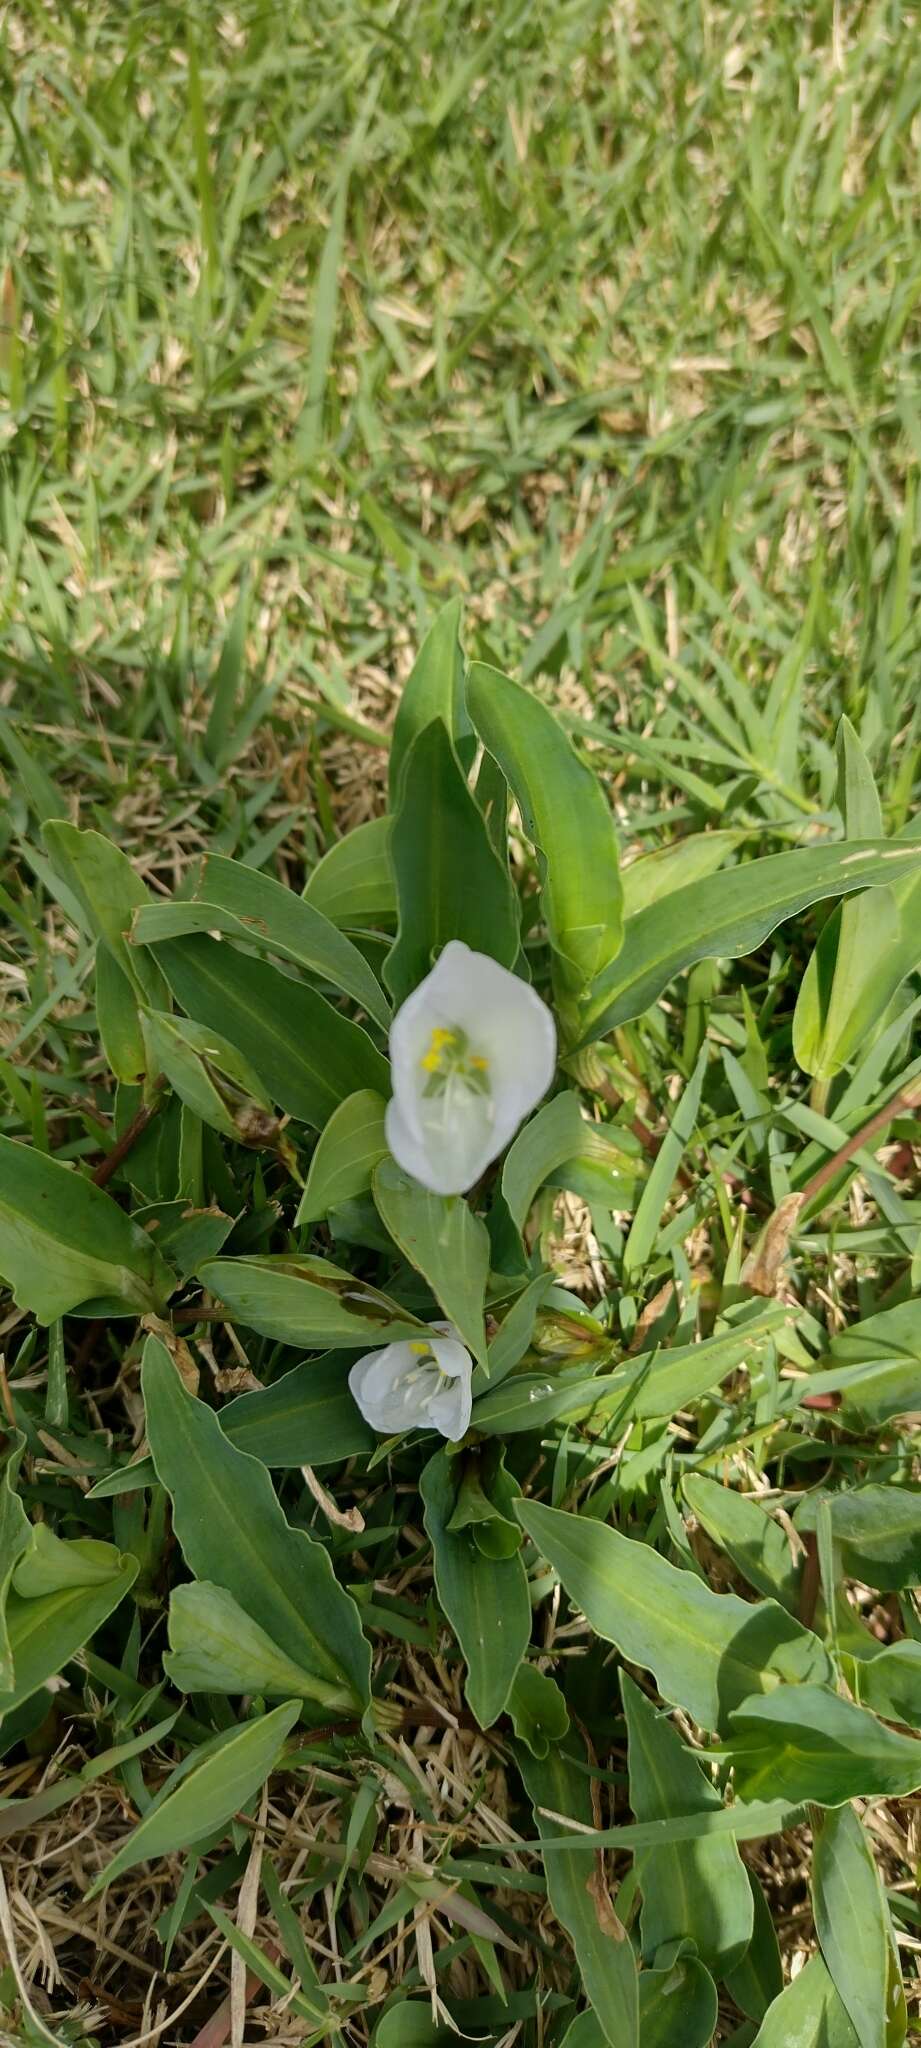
421,1384
472,1050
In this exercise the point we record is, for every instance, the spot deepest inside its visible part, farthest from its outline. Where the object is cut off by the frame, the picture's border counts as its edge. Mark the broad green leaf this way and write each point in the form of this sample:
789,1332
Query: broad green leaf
210,1076
434,689
305,1301
450,882
552,1136
348,1149
109,892
576,1890
216,1647
807,1742
708,1651
54,1565
696,1891
807,2014
209,1795
308,1417
118,1019
758,1979
565,814
232,898
678,2004
45,1633
748,1823
887,1350
653,1384
730,914
879,1531
16,1535
645,1226
308,1056
445,1241
485,1496
756,1543
852,1922
515,1330
677,866
233,1533
485,1599
848,984
538,1710
66,1248
353,885
890,1683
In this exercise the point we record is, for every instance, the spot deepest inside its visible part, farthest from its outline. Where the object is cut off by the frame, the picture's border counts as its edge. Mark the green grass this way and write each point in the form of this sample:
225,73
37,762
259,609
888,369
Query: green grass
606,318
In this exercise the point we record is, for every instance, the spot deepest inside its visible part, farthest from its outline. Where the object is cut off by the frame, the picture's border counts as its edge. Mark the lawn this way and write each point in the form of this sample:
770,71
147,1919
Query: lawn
603,319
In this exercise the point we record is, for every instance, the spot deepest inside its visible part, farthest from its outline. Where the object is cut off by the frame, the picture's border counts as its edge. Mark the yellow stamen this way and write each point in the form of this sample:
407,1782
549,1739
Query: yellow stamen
477,1060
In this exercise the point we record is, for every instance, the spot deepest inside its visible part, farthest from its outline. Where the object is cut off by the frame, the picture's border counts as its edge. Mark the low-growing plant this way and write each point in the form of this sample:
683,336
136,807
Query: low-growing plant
344,1122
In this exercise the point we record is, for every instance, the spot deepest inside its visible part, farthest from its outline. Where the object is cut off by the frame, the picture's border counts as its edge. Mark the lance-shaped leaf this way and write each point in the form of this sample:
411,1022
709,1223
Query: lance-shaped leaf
577,1893
709,1651
434,689
451,884
44,1633
806,1742
446,1243
15,1537
118,1018
233,1533
195,1803
348,1150
353,885
308,1056
66,1248
216,1647
308,1417
758,1979
565,814
696,1891
807,2014
485,1599
729,914
755,1542
308,1302
553,1135
109,892
852,1923
232,898
211,1077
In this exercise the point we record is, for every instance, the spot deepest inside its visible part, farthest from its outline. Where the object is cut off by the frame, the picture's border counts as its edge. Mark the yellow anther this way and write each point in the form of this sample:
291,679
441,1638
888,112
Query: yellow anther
421,1350
441,1037
477,1060
430,1062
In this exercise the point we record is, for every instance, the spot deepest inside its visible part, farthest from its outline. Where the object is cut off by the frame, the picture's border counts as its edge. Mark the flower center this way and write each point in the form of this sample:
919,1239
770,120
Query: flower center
449,1059
422,1382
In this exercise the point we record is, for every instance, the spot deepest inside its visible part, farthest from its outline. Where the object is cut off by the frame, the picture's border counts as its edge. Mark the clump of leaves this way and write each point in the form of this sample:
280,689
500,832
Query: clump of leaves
687,1424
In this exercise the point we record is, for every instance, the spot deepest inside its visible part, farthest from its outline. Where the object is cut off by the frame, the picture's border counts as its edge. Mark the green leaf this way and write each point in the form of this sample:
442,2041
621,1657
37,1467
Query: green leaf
354,883
209,1795
885,1349
555,1134
109,892
210,1076
697,1891
308,1417
758,1978
348,1149
729,915
45,1633
434,689
678,2005
16,1534
450,882
486,1600
218,741
118,1019
446,1243
233,1533
807,2014
852,1922
515,1331
755,1542
66,1248
890,1683
308,1057
709,1651
216,1647
54,1565
538,1710
232,898
879,1530
305,1301
677,866
565,814
645,1226
806,1742
607,1965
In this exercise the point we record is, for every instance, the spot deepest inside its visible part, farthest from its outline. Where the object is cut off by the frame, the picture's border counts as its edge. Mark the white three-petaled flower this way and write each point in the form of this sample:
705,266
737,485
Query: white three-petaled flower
421,1384
472,1050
